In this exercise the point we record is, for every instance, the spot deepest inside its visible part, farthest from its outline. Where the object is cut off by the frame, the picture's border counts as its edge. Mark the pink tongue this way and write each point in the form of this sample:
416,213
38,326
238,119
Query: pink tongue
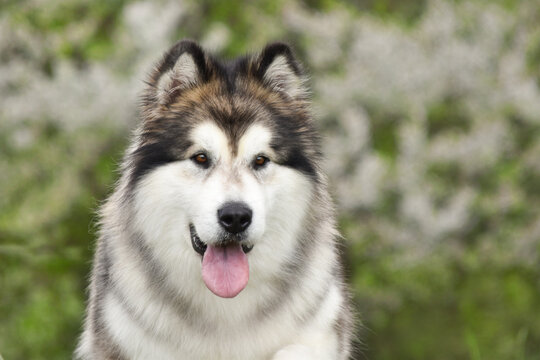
225,269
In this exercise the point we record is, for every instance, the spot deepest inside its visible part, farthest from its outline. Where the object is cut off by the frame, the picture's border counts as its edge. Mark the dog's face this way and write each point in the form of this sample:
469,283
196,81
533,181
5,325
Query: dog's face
224,167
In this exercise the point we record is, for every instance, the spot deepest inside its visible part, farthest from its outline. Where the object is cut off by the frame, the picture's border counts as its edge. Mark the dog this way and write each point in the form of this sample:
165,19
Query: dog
220,241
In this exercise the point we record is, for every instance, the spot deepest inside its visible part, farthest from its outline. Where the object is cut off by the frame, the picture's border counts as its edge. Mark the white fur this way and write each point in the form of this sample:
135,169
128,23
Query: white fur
171,197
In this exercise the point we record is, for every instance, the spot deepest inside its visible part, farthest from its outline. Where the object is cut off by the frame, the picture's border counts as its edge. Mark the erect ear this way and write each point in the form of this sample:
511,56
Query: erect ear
184,66
280,71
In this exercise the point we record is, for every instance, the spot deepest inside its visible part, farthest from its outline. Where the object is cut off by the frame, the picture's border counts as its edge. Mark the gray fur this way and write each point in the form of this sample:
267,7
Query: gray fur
126,261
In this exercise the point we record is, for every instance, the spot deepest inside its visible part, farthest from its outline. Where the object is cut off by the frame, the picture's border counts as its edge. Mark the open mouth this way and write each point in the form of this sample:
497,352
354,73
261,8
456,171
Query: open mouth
201,247
225,268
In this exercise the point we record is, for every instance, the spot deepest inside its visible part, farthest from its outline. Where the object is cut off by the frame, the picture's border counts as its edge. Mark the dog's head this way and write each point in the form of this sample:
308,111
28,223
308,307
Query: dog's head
224,165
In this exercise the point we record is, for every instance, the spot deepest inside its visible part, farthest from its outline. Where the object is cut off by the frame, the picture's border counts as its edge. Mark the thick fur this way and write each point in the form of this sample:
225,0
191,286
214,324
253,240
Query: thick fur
147,298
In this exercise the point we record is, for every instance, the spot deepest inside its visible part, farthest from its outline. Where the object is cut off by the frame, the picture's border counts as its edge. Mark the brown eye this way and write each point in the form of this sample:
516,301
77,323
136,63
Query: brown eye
201,159
260,161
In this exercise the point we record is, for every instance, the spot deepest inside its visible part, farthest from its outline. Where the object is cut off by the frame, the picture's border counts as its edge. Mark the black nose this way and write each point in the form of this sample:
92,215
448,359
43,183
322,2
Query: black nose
235,217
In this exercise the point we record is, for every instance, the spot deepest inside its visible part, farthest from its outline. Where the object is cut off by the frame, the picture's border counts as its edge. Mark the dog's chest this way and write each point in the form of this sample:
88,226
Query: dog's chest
160,334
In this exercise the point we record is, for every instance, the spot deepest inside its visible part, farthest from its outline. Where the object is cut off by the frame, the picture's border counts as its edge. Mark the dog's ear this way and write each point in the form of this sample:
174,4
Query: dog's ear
279,70
184,66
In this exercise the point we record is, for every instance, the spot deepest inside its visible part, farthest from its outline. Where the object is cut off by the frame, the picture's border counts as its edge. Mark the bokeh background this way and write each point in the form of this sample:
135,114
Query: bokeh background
430,111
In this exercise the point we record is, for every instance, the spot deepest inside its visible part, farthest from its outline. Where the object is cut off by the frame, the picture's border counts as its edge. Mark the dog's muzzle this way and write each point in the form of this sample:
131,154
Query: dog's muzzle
200,247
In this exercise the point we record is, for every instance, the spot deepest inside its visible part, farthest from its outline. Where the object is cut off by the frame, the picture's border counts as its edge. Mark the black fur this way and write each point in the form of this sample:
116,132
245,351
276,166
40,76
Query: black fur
270,52
181,47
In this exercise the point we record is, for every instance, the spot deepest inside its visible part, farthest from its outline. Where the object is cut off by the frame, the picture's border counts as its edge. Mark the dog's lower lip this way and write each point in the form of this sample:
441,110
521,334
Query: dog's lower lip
196,242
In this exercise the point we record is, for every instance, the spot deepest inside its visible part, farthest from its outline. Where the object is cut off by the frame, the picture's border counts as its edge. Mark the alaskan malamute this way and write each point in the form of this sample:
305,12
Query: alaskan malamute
220,241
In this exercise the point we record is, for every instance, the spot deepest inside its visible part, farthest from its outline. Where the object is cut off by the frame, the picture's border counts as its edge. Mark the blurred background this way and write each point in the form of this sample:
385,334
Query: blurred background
430,112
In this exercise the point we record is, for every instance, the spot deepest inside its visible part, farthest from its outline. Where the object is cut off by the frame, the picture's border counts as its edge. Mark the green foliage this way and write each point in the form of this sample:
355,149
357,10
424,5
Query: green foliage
448,115
408,11
384,132
96,19
448,310
45,245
